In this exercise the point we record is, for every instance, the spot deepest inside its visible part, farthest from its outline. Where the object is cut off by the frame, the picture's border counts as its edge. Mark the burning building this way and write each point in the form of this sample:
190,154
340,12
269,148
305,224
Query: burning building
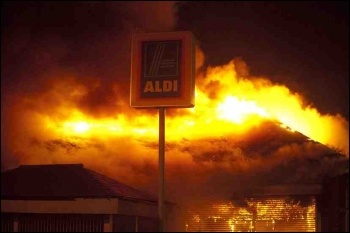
243,132
289,208
65,100
292,196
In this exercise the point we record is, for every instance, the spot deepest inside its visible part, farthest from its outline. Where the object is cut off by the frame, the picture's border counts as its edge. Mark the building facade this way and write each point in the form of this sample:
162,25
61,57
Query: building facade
71,198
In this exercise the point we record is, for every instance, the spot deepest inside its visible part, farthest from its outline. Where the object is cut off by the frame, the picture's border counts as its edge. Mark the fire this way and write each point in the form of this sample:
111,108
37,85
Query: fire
265,214
78,127
225,104
237,111
213,139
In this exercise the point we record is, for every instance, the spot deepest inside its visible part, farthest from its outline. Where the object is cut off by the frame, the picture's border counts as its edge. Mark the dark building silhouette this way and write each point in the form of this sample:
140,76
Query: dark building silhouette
69,197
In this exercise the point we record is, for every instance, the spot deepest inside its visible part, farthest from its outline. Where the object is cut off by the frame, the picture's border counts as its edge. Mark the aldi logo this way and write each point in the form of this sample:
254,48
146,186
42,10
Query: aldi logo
161,58
162,70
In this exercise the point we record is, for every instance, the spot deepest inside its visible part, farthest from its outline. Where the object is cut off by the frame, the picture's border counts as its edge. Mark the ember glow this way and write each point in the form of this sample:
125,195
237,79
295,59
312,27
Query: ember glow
259,215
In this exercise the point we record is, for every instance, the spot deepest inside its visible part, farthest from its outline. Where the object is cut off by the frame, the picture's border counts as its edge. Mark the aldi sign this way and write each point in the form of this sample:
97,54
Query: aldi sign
162,70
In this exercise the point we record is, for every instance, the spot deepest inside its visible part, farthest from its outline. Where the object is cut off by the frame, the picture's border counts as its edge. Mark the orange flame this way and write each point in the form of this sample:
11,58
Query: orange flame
259,215
225,103
53,128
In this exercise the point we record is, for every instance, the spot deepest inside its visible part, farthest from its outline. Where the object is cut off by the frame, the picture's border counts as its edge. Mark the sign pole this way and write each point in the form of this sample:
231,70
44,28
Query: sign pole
161,168
162,76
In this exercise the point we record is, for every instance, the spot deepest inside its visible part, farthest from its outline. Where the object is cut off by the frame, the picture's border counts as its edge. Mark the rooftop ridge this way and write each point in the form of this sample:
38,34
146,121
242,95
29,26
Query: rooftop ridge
114,182
66,181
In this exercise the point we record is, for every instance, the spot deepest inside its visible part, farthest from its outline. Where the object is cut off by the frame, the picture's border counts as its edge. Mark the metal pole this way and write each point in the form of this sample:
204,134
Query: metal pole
161,168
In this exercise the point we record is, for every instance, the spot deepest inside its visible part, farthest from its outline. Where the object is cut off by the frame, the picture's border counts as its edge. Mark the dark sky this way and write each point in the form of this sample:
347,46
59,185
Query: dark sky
303,45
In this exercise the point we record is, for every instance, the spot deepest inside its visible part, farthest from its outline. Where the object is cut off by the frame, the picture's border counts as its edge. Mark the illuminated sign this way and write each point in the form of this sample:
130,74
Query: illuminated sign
162,70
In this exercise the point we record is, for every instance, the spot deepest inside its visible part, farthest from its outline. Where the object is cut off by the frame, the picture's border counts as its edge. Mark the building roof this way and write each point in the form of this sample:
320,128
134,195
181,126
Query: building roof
286,190
64,181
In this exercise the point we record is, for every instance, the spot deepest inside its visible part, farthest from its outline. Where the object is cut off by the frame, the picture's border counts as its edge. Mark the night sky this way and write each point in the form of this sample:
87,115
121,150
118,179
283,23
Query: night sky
302,44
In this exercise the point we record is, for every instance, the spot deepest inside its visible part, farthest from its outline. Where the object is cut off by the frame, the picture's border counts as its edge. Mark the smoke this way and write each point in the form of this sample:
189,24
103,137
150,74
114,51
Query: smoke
87,42
152,16
72,60
69,55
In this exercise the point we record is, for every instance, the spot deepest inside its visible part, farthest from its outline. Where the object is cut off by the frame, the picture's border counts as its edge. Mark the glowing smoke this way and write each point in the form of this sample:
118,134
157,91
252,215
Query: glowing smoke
65,99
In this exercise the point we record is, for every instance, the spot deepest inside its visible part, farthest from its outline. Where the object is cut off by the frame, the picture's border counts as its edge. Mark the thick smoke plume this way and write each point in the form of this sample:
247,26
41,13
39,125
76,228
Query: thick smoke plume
72,67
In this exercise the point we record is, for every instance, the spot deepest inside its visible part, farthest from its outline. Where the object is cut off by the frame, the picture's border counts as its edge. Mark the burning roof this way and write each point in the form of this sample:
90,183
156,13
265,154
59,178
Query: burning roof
242,132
